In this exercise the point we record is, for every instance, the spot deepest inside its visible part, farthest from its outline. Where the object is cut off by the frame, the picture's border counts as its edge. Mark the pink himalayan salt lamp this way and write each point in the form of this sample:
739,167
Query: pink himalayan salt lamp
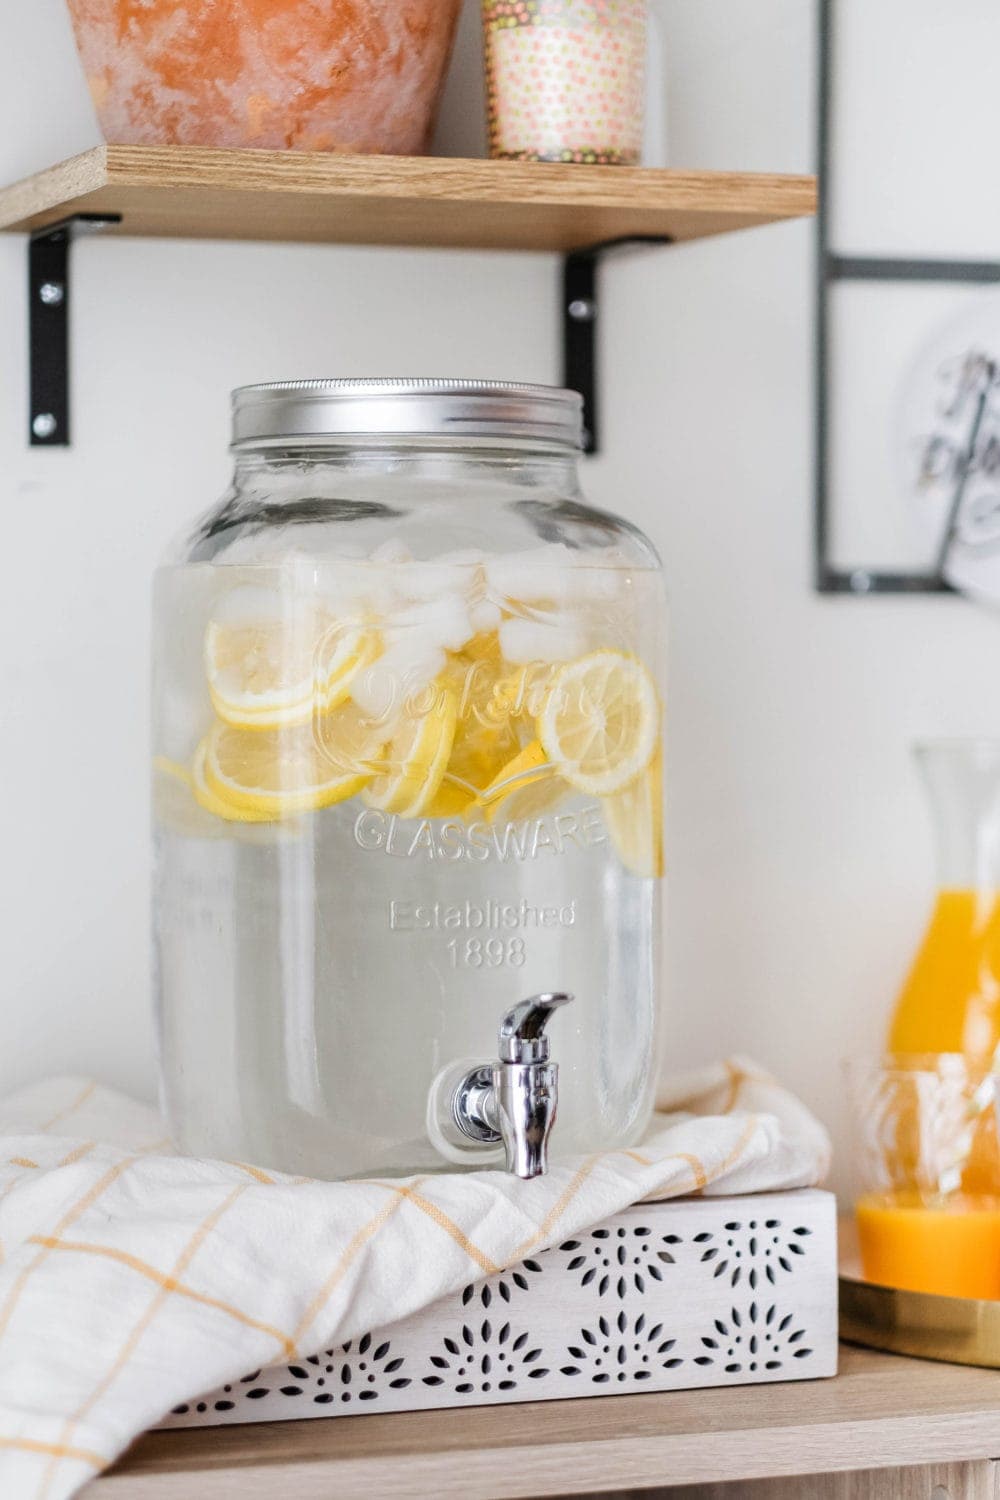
305,75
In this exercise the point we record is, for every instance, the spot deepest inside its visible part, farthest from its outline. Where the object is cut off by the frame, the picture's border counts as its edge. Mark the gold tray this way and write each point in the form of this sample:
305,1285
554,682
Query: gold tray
959,1330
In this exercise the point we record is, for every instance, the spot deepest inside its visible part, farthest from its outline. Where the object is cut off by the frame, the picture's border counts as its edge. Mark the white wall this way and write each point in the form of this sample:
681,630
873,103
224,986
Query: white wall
799,853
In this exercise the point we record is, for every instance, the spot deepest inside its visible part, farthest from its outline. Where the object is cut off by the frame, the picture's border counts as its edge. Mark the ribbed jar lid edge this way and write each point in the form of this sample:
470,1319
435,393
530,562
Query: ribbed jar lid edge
389,406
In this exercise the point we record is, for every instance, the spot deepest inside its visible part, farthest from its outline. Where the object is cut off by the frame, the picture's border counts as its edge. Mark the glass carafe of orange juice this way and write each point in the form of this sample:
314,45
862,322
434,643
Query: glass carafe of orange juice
930,1216
950,1002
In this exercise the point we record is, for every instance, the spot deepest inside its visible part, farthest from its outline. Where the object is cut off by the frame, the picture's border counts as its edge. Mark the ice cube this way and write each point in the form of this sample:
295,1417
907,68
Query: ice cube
252,604
524,641
599,584
461,573
438,622
342,591
423,581
553,573
520,575
485,617
391,551
400,673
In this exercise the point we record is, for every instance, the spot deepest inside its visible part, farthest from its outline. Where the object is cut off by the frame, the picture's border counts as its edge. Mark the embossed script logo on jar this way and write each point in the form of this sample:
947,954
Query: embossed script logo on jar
404,838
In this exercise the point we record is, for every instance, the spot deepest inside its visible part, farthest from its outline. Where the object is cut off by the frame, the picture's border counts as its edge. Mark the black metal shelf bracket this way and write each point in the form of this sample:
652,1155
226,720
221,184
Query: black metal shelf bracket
49,311
580,308
48,326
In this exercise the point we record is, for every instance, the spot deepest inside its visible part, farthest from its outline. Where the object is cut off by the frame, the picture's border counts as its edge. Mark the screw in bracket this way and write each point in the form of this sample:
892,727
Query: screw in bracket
44,425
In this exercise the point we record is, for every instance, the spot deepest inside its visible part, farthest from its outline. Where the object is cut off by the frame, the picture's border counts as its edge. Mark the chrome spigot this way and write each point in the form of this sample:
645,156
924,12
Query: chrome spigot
514,1100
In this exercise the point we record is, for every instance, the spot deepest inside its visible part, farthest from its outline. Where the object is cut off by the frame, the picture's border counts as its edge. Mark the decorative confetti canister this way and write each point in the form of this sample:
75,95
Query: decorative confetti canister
565,79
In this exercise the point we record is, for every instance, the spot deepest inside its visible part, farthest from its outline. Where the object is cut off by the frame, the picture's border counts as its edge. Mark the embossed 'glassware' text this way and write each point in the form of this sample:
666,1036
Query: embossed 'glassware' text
407,770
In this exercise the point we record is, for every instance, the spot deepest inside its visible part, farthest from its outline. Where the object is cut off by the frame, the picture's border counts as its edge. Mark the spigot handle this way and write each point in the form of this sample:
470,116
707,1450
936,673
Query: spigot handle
513,1100
522,1030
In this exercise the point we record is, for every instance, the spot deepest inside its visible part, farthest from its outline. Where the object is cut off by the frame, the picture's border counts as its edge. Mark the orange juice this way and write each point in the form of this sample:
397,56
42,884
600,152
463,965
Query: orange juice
930,1218
950,1003
951,999
952,1249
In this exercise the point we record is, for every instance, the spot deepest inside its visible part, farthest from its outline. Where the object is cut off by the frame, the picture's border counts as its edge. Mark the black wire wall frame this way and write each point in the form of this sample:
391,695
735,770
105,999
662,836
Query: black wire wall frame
831,270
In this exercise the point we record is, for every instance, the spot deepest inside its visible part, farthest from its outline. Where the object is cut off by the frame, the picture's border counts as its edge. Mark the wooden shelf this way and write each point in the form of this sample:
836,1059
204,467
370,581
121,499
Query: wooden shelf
176,192
881,1411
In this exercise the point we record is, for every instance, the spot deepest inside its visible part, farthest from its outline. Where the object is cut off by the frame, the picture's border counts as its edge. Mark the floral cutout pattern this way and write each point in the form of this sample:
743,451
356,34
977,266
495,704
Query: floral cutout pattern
615,1344
355,1372
621,1259
756,1249
752,1341
654,1310
351,1373
482,1359
502,1286
220,1400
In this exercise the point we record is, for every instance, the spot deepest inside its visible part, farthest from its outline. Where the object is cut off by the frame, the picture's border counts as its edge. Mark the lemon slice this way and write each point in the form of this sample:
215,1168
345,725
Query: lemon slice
483,646
484,741
417,758
634,820
184,806
480,753
452,799
527,787
522,693
344,651
214,804
268,668
598,724
279,771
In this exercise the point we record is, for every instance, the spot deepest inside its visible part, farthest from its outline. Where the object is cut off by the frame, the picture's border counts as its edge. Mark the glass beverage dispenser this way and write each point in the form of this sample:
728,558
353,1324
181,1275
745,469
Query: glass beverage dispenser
408,765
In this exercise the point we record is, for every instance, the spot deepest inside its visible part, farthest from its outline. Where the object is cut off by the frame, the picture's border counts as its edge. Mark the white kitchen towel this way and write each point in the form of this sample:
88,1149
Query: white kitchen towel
132,1279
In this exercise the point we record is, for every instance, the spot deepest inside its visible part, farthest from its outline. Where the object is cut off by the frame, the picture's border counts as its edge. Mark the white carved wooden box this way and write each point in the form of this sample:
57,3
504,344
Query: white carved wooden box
665,1296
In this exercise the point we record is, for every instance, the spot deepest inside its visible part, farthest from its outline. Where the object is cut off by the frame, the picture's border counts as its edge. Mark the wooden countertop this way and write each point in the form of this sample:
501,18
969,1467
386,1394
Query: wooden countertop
881,1411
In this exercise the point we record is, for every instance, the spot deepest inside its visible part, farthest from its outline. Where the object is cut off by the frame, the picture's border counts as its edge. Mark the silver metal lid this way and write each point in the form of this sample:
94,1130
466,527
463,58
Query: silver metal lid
478,411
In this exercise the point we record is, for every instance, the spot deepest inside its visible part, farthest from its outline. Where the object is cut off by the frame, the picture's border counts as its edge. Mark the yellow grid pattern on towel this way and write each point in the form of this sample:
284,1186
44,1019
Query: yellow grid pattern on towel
168,1284
291,1266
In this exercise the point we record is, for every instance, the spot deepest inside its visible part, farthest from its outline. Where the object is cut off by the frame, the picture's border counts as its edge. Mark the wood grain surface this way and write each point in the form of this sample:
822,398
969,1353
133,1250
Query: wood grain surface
881,1412
976,1481
179,192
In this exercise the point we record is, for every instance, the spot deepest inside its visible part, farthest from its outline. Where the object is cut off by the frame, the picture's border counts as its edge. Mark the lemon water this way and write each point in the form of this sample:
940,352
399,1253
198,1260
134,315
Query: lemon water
330,936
